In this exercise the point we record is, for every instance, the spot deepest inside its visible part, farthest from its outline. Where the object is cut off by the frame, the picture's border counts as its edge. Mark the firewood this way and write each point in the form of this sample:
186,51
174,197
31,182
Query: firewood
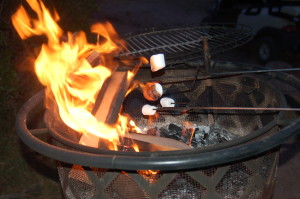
154,143
108,101
108,104
94,59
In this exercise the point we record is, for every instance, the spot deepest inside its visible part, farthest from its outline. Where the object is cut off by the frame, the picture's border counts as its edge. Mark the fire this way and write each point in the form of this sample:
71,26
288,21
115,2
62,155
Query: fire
136,147
188,131
69,78
133,127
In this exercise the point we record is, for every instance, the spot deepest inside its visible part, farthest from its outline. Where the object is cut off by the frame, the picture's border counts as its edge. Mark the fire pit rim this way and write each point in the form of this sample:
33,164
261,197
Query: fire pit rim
237,141
185,159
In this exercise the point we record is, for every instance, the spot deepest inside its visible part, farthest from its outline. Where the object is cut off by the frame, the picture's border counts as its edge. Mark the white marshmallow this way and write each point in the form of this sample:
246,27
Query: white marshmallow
167,102
148,109
157,62
158,88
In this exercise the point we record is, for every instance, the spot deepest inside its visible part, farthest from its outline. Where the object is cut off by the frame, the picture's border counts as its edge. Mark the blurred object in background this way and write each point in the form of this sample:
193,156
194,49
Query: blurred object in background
275,24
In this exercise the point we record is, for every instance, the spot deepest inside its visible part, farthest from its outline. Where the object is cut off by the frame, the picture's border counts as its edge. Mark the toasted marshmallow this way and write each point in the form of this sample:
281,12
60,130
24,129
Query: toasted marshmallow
152,91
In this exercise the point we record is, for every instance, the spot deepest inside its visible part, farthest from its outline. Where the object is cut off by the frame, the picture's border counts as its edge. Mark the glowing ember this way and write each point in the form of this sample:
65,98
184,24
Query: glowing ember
69,79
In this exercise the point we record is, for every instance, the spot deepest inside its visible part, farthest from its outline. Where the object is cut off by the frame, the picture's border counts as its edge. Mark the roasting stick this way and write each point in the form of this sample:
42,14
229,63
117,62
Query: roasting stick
225,74
187,109
254,71
151,110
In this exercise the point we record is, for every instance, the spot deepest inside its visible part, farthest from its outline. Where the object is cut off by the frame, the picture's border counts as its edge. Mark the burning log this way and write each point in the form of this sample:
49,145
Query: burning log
94,58
108,101
111,97
108,104
157,143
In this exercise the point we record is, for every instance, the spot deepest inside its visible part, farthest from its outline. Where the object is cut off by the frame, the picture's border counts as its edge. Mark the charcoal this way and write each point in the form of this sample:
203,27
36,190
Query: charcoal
203,135
175,129
173,132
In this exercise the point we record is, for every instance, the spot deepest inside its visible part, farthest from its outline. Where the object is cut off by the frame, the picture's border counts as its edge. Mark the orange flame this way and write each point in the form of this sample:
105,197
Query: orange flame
135,147
61,66
189,130
134,127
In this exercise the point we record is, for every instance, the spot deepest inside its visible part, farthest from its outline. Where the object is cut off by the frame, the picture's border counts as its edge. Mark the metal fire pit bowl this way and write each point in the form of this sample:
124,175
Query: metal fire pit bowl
241,168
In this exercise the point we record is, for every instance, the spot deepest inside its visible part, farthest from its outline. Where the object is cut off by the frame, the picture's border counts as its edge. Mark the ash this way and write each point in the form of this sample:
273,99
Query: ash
197,135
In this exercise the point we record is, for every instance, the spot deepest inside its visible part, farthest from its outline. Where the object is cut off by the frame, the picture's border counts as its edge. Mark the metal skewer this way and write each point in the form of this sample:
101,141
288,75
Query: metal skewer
225,74
187,109
253,71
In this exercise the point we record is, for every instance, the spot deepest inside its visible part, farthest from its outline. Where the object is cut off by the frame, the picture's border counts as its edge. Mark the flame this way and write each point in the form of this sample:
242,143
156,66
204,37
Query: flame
69,78
152,118
133,127
189,131
135,147
150,175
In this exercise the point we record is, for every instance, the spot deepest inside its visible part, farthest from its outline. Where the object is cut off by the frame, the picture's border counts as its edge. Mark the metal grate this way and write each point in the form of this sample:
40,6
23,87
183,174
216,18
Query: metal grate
180,44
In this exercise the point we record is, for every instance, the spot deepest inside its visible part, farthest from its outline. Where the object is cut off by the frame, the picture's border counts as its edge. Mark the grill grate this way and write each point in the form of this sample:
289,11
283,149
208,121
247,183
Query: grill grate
180,44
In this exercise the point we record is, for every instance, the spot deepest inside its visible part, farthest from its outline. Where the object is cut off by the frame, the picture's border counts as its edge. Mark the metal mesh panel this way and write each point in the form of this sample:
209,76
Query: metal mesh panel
234,182
124,187
251,179
183,186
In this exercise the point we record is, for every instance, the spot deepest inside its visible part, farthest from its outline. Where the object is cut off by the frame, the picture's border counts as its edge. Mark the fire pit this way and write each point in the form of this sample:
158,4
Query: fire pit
219,141
241,168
